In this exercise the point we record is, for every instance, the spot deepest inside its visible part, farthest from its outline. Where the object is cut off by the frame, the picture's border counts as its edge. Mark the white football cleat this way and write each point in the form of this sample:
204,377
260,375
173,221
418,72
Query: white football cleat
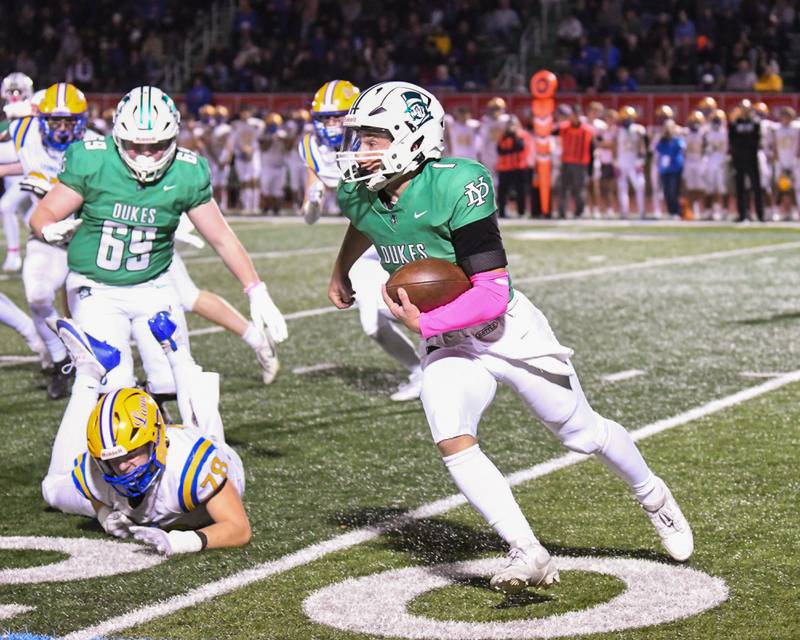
672,527
528,565
89,355
13,262
267,357
411,389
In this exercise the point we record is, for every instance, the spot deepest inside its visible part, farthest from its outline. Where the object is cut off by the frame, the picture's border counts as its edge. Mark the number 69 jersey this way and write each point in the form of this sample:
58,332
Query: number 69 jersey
128,227
195,470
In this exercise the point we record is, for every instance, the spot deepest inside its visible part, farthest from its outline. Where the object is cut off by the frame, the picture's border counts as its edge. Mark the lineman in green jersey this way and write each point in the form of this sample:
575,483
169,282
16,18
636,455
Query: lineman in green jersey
402,196
130,190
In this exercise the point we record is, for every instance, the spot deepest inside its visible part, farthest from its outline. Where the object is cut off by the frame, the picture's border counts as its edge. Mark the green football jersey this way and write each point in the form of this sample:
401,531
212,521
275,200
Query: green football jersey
4,125
445,195
128,227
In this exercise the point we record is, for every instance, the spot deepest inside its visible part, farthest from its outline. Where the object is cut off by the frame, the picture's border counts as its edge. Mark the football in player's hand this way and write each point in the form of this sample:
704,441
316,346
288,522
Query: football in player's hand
429,283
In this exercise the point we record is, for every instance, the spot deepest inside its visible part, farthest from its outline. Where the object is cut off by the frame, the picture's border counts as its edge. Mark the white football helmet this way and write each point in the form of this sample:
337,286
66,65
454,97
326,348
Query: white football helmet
410,116
16,91
145,131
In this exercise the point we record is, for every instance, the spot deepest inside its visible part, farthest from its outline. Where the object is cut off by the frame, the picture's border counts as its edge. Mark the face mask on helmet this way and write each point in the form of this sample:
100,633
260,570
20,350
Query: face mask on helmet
137,481
59,132
329,128
391,130
145,132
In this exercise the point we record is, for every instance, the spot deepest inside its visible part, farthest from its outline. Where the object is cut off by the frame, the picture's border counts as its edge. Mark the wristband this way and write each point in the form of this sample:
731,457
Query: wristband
203,539
252,286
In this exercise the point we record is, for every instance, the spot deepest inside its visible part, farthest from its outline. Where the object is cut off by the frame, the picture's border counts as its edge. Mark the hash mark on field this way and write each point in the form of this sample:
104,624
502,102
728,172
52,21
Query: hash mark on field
357,536
623,375
322,366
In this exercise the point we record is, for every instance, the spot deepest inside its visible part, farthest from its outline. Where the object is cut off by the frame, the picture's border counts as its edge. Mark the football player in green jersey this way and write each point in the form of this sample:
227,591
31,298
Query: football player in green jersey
130,190
402,196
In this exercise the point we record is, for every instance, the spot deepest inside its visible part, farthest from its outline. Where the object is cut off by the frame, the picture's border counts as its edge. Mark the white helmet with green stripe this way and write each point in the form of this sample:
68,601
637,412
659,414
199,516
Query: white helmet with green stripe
145,131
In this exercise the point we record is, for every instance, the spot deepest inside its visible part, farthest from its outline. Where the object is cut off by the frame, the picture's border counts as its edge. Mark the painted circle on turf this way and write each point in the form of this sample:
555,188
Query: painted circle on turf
88,558
378,604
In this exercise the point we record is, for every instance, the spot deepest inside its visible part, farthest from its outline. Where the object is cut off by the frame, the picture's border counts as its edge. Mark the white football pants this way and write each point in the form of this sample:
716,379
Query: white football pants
43,274
462,369
13,203
633,174
17,319
115,313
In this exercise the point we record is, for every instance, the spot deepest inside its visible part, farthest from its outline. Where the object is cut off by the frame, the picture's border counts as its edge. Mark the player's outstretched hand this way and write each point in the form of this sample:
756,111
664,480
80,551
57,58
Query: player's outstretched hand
265,314
115,523
340,292
407,312
58,232
168,543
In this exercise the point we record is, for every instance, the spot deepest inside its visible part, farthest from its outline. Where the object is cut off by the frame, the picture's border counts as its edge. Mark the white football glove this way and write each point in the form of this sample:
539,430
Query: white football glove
312,208
168,543
185,233
265,314
58,232
114,523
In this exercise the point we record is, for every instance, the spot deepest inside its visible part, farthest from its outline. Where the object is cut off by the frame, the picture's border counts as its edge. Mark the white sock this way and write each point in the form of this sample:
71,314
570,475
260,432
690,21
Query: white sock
253,337
488,492
56,348
621,455
70,440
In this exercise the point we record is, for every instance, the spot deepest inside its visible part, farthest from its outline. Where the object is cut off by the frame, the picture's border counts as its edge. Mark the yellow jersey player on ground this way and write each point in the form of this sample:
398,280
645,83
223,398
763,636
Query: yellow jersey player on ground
16,92
140,477
330,104
131,190
392,170
38,146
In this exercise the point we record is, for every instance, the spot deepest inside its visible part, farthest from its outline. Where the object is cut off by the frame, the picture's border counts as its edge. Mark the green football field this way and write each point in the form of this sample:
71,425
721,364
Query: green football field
687,335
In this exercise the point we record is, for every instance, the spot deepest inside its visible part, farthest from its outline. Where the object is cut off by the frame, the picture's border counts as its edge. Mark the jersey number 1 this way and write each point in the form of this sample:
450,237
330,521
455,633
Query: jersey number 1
115,236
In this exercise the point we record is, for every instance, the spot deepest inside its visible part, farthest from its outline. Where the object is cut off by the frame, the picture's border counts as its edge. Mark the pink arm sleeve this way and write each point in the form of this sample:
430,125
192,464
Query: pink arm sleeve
486,300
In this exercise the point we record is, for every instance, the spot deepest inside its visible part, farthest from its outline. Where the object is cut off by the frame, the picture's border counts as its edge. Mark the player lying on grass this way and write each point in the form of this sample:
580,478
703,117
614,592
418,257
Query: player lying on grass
402,196
177,488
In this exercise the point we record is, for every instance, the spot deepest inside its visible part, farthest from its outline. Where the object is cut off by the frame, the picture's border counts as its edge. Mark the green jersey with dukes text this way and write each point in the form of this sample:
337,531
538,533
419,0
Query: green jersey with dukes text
445,195
127,233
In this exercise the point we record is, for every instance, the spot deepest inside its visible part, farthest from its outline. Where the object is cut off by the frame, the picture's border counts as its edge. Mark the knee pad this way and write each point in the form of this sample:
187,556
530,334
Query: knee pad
40,299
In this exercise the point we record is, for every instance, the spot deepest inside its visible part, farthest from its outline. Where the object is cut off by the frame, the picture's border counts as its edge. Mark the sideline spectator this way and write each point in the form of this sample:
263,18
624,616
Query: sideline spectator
769,80
743,80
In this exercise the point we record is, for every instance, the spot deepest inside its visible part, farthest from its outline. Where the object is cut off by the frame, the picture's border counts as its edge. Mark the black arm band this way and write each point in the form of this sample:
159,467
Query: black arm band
485,261
203,539
479,247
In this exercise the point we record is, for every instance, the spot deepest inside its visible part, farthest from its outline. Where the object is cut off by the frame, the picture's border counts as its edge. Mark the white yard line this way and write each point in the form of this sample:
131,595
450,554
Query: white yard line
288,253
357,536
12,361
657,262
762,374
623,375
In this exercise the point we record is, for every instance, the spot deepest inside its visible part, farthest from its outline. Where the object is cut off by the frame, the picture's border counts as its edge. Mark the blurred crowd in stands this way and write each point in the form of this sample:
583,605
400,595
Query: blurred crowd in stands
735,45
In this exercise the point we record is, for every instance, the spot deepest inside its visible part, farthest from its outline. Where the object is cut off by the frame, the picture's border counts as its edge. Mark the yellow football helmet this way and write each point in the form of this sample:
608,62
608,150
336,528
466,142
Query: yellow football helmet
761,109
330,105
222,113
627,113
123,422
496,104
695,118
207,112
62,115
273,121
707,105
663,113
